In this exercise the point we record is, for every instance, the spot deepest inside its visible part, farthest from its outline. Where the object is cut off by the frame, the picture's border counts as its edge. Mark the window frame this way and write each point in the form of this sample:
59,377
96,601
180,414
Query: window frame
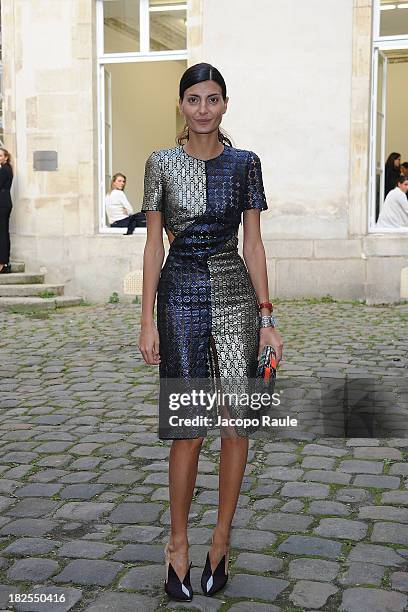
379,44
102,59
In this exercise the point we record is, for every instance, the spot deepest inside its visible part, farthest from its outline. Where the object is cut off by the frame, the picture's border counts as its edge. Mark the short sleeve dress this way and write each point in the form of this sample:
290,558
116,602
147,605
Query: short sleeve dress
207,308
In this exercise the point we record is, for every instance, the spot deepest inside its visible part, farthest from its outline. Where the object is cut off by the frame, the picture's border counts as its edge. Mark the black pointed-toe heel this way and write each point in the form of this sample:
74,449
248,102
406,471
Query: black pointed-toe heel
173,586
212,582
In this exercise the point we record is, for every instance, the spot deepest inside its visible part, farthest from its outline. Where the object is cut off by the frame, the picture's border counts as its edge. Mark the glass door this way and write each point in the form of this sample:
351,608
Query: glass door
108,127
379,98
105,119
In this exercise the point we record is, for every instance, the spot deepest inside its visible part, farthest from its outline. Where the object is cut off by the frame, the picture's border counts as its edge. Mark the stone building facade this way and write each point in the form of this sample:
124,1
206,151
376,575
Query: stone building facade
302,76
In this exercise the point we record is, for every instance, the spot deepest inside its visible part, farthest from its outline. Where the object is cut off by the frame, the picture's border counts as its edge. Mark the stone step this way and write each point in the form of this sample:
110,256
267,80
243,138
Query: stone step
36,304
17,266
41,291
21,278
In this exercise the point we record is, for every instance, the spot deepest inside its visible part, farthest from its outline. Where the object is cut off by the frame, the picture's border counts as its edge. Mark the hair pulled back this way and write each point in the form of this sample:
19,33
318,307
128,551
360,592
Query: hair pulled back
197,74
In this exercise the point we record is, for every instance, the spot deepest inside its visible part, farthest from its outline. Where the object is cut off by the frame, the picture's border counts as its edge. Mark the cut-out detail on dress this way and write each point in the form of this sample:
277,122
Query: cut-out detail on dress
170,236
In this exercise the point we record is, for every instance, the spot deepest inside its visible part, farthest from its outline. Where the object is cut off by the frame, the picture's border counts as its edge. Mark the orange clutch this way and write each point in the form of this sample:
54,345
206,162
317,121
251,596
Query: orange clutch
266,370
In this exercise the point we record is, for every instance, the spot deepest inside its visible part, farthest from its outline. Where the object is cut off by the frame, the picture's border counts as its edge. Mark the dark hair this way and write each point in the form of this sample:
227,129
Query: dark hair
197,74
391,158
405,165
402,178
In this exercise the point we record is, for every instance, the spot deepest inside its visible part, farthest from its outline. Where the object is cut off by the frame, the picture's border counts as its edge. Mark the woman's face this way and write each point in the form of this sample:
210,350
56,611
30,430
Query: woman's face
119,183
203,107
2,157
397,162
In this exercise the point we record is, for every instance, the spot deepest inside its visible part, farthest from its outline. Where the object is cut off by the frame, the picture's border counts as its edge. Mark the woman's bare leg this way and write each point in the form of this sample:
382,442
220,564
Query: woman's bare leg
234,454
183,463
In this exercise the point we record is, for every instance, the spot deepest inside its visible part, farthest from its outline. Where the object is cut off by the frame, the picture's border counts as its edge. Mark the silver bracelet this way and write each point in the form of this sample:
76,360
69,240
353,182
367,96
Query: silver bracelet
268,321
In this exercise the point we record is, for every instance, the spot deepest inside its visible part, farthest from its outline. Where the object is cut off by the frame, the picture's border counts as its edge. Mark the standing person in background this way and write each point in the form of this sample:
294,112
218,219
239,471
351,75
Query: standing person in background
392,172
6,179
117,206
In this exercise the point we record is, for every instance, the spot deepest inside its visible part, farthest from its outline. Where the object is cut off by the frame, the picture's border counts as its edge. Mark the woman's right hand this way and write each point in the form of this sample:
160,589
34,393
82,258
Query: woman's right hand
149,343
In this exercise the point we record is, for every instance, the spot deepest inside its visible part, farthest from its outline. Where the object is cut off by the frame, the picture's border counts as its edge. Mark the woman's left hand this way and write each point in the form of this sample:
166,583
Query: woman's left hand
269,335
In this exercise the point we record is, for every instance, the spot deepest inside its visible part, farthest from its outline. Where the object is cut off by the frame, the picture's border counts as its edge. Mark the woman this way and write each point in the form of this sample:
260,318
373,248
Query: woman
208,302
117,206
392,172
6,179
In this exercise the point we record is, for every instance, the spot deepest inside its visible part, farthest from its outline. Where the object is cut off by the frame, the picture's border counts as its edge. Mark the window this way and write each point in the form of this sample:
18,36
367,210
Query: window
141,57
167,25
121,26
388,99
393,19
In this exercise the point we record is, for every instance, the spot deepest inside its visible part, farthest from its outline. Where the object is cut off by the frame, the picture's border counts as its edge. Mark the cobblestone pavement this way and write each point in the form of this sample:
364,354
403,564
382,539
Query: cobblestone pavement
322,522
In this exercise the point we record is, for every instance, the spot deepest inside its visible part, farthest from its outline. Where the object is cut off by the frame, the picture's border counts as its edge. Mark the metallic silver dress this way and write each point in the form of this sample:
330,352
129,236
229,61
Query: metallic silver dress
207,308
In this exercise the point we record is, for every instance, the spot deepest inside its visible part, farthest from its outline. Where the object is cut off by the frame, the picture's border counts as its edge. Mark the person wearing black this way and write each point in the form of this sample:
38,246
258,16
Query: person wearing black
6,179
392,172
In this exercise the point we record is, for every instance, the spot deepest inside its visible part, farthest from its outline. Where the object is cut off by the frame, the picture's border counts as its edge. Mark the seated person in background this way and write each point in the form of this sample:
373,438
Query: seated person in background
118,208
394,211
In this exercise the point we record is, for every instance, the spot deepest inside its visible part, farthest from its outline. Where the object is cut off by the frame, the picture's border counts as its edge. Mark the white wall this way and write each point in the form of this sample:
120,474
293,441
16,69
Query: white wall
47,61
397,110
289,83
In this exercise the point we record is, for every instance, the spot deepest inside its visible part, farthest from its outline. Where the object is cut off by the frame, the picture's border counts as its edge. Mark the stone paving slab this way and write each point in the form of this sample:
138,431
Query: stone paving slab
322,520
